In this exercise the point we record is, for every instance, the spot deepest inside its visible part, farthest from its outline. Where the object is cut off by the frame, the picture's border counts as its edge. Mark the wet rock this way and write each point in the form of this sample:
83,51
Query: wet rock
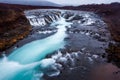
66,15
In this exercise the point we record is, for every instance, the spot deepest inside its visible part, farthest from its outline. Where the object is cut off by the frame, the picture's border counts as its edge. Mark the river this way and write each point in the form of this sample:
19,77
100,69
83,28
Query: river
22,63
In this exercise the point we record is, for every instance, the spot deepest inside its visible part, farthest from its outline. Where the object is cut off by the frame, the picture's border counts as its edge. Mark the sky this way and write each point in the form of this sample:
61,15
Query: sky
62,2
79,2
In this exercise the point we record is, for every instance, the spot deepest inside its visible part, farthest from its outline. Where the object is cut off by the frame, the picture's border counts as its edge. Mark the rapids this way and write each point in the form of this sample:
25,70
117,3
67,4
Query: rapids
24,62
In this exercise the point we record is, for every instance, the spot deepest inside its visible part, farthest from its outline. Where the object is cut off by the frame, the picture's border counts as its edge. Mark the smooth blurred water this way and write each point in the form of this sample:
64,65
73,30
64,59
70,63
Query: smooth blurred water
24,62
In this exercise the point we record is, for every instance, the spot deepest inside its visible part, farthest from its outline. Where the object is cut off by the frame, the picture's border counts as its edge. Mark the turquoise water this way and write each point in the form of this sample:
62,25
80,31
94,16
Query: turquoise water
24,62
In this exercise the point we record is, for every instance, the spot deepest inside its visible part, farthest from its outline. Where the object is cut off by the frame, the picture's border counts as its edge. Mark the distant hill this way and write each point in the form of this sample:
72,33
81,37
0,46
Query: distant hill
18,7
33,3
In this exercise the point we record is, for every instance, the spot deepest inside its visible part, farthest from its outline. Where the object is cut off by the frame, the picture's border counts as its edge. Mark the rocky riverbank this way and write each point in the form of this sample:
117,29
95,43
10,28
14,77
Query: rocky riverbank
13,27
13,24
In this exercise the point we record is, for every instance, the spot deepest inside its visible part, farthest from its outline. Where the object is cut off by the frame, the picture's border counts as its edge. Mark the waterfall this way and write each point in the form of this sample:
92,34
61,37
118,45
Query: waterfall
31,62
28,63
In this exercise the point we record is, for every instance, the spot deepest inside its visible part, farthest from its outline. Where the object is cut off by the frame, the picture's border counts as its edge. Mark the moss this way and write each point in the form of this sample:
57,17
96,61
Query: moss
14,29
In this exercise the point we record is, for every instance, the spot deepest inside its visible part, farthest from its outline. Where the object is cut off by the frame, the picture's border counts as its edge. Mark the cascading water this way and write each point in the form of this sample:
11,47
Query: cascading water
86,35
39,47
24,62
